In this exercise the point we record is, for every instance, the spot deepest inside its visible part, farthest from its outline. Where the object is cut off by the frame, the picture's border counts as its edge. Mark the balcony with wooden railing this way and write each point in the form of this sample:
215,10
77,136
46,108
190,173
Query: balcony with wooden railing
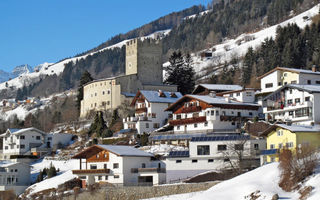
187,121
191,109
157,170
141,110
91,171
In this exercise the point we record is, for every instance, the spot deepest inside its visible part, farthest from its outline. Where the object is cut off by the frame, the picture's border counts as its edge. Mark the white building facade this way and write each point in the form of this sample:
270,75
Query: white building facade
14,176
206,114
207,153
21,141
119,165
297,104
150,109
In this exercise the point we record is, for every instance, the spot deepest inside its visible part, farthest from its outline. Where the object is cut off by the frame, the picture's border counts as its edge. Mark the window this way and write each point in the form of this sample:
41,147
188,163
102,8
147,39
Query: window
210,160
317,82
249,94
108,91
256,146
280,146
22,146
6,147
290,113
206,124
49,138
297,100
22,137
238,147
222,147
99,178
115,165
212,112
178,116
178,161
269,85
156,125
231,95
178,127
285,74
309,82
103,92
38,138
147,125
217,113
93,166
143,165
272,146
279,133
289,101
238,94
116,176
97,156
289,144
203,149
195,125
307,98
95,94
105,166
106,177
154,115
233,123
194,161
250,113
290,91
293,82
226,160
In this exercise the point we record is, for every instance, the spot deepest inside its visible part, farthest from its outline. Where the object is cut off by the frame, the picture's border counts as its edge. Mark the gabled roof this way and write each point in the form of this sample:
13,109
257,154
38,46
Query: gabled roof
217,101
16,131
308,88
155,97
236,91
218,87
292,128
119,150
303,71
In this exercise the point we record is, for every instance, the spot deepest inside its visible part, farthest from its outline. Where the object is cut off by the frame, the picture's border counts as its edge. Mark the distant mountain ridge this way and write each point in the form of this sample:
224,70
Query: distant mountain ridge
17,71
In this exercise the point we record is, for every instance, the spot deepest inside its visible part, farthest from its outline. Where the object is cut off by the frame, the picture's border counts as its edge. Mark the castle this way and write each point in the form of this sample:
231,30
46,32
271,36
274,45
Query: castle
143,72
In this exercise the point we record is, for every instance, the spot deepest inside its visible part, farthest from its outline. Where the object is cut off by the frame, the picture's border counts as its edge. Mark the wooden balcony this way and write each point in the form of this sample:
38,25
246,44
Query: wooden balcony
91,171
157,170
188,121
191,109
141,110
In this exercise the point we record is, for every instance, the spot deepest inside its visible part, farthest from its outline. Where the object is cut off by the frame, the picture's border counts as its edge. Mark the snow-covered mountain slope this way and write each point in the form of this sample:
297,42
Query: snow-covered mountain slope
264,179
21,69
238,47
4,76
57,68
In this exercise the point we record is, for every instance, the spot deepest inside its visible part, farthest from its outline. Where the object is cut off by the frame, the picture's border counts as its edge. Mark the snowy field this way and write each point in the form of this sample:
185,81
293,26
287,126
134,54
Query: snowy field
265,179
65,173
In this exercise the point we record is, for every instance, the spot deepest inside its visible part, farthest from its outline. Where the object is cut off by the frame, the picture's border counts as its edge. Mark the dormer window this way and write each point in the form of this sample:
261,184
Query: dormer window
173,95
161,94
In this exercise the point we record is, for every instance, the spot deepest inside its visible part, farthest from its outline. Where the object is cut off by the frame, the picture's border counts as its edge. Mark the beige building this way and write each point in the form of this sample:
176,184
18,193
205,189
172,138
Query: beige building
143,72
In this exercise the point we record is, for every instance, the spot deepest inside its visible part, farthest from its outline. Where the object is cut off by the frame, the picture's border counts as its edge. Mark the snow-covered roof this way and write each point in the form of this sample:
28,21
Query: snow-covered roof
221,87
13,130
219,100
302,71
122,150
7,163
127,94
18,131
293,128
168,97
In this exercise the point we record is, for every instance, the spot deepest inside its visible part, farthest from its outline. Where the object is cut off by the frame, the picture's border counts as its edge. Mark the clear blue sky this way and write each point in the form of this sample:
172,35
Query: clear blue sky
37,31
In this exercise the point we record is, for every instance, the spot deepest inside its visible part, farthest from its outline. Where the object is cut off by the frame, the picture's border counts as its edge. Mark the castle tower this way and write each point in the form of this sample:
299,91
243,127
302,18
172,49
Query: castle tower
144,59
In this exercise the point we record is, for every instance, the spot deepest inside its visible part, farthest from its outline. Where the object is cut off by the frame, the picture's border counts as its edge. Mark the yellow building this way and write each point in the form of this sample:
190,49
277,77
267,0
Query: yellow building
289,136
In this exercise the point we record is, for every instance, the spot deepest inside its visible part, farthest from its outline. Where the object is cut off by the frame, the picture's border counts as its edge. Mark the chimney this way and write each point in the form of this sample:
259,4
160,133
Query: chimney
314,68
212,94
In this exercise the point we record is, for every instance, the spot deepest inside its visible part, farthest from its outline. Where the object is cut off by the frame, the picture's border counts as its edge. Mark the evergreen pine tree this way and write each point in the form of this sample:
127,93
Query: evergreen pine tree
85,78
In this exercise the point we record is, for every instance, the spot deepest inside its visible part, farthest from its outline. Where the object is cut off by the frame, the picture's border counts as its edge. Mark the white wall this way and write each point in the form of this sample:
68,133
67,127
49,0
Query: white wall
273,78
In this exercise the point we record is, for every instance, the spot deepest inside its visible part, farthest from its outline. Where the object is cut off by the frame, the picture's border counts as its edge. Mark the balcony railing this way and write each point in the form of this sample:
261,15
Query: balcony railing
158,170
141,110
187,121
285,106
191,109
233,118
91,171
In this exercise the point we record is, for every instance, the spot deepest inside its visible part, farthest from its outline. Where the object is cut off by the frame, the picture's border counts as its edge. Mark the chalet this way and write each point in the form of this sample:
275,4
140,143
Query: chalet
207,153
14,176
205,89
29,141
208,114
297,104
119,165
291,137
150,111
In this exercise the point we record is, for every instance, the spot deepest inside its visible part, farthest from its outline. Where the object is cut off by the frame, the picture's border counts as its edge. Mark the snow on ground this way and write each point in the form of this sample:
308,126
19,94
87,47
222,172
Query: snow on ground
162,149
227,50
265,179
64,175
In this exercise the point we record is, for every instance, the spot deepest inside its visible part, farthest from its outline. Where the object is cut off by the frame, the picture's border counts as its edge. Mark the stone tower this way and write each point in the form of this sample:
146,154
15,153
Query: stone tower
143,58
